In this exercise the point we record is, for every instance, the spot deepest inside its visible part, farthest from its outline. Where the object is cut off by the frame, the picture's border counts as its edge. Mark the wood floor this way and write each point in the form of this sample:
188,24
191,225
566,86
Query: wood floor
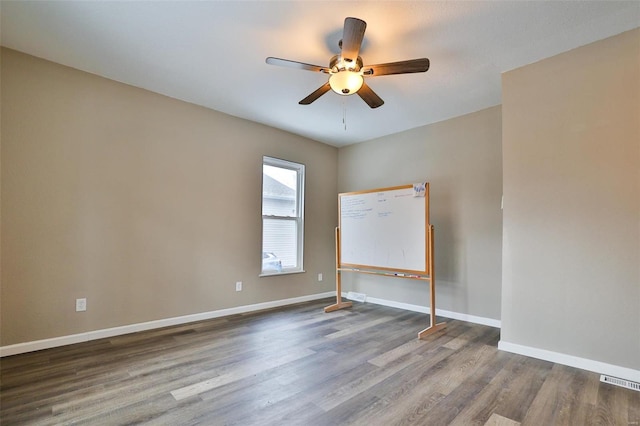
300,366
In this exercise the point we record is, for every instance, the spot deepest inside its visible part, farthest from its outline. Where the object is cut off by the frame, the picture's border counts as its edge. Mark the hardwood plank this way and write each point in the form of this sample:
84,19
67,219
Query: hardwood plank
508,394
300,365
358,328
239,373
343,393
498,420
395,353
399,394
634,409
452,378
559,397
611,406
480,370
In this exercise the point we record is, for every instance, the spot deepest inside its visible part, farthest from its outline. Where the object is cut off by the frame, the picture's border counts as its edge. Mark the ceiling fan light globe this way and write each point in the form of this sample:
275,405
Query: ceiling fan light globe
346,82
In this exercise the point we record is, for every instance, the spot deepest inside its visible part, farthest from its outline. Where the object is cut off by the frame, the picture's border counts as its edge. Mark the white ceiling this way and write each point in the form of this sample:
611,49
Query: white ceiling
212,53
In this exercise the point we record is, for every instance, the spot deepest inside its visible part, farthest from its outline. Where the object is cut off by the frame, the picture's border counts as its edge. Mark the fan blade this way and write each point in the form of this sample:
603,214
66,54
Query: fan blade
295,64
402,67
352,37
316,94
369,96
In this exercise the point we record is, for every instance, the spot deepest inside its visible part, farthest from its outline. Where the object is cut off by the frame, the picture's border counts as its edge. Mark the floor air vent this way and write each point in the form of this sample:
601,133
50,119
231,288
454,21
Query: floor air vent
358,297
620,382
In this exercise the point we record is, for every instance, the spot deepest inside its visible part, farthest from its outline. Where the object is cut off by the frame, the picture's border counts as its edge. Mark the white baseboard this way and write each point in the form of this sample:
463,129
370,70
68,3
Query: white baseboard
571,361
150,325
440,312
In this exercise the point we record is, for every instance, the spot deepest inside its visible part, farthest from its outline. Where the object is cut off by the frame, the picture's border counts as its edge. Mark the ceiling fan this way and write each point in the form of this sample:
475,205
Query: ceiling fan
346,70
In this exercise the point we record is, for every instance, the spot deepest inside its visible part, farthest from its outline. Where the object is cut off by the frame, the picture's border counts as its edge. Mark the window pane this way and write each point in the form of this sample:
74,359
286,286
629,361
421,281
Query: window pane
282,216
279,191
279,243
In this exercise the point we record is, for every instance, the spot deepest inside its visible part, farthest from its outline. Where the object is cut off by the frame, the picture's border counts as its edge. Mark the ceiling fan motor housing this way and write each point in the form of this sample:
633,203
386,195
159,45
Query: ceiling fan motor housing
338,64
346,78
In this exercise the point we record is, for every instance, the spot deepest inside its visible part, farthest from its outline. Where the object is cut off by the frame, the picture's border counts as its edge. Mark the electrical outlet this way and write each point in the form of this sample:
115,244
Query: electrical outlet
320,276
81,305
238,285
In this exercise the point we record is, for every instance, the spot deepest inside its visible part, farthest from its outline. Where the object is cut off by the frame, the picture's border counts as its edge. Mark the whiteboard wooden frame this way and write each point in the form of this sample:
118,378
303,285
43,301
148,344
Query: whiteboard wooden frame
425,274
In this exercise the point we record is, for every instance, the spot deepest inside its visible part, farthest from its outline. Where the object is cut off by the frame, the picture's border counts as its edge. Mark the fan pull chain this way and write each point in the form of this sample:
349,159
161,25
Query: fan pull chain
344,114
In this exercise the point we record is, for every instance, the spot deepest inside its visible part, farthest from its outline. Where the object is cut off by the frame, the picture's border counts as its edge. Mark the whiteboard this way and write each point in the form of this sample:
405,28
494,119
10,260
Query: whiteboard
385,229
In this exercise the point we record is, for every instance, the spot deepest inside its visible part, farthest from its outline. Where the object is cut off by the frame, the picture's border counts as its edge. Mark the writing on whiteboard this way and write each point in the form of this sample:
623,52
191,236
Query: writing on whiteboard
384,229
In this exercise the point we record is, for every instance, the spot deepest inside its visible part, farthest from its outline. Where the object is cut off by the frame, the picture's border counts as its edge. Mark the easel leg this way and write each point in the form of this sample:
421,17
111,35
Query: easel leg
339,303
430,330
433,327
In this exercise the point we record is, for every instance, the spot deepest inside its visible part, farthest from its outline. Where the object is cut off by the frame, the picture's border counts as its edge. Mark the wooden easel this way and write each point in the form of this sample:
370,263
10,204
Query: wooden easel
433,327
339,303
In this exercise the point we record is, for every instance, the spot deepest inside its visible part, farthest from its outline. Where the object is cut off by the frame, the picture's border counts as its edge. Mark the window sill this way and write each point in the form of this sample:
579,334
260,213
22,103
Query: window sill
276,274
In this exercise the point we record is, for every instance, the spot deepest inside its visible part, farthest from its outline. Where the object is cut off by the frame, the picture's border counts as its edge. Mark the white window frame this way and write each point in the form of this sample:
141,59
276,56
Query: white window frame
299,218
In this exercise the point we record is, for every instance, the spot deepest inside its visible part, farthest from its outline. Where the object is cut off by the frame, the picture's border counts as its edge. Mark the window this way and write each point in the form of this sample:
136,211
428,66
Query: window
282,216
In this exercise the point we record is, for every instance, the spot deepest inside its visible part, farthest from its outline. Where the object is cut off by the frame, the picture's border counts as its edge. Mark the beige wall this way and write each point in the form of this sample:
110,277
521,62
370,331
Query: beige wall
147,206
571,251
462,161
